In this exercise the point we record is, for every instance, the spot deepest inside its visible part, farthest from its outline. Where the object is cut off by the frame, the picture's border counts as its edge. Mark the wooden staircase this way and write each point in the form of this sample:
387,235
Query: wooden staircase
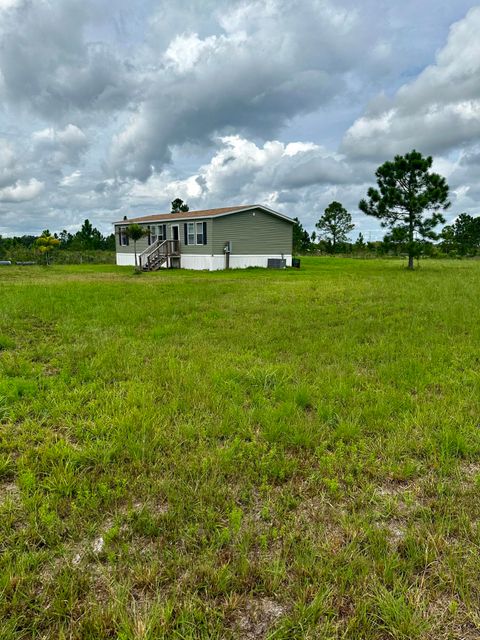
162,253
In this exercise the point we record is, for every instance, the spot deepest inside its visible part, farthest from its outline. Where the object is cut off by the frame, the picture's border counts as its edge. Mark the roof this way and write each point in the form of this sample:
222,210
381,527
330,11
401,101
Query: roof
203,213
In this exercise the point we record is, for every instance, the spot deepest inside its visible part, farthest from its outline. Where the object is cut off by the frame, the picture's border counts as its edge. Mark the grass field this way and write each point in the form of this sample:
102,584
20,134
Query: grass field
245,454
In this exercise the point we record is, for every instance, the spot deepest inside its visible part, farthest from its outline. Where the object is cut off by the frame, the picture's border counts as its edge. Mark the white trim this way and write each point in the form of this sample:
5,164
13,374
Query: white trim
201,233
123,236
189,235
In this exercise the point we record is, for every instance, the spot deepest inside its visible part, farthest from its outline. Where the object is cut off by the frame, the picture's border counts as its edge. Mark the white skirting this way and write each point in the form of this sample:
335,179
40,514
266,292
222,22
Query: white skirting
126,259
217,262
212,263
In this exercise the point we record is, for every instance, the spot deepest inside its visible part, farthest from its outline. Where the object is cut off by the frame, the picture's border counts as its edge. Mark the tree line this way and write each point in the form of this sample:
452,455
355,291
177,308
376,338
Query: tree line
409,201
462,238
86,239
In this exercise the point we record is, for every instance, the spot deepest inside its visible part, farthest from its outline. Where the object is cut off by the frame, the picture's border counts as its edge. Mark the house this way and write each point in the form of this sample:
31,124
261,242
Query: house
231,237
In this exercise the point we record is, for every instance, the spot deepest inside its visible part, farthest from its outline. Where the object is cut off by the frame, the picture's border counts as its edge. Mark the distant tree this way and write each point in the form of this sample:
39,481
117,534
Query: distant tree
406,190
335,224
396,242
376,246
136,232
179,205
88,237
360,242
65,238
301,238
463,235
46,244
109,242
448,240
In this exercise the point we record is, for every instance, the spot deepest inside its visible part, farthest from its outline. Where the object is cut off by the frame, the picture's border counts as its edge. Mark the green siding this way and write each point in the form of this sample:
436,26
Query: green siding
197,249
253,232
141,244
205,249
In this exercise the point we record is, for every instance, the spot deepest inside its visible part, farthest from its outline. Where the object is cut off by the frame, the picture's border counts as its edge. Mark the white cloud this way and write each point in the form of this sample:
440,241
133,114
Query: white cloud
272,62
438,111
228,101
71,180
71,135
22,191
8,164
56,147
8,4
298,176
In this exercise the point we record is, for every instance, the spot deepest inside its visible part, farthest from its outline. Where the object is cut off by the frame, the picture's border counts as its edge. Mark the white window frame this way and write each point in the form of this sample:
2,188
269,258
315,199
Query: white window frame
153,234
123,237
160,233
199,234
191,235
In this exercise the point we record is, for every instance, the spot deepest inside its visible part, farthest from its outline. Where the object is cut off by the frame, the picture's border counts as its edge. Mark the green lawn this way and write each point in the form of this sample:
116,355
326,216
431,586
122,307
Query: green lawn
244,454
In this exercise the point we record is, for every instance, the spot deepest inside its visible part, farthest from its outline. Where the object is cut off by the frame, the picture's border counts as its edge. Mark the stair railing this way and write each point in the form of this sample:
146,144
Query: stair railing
143,257
161,249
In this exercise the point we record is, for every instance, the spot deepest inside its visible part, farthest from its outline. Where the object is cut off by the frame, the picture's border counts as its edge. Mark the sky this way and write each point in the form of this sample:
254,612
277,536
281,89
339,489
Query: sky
113,108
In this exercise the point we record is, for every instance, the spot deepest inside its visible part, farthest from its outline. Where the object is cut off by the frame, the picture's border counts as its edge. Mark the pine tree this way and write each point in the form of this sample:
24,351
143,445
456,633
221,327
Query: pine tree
335,224
406,191
179,205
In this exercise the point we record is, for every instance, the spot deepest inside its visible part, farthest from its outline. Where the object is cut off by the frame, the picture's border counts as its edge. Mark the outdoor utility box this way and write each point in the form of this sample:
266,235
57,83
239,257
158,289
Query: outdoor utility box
296,263
276,263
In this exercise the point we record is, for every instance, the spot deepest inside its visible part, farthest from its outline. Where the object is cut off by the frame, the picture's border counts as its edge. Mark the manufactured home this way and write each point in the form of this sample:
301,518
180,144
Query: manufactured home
231,237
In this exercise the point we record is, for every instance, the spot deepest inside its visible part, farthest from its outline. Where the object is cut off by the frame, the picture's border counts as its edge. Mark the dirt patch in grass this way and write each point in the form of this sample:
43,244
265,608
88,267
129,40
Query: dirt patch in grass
397,505
9,492
470,471
396,531
256,618
405,497
451,619
318,512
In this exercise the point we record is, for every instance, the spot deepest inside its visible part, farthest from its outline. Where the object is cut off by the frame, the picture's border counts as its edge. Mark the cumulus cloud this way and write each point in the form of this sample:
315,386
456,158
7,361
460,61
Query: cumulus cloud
113,108
8,164
22,191
436,112
271,62
48,67
240,169
8,4
60,146
297,178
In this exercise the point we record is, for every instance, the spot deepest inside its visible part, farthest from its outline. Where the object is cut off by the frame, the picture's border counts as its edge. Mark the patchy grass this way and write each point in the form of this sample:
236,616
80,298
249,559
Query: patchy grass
249,454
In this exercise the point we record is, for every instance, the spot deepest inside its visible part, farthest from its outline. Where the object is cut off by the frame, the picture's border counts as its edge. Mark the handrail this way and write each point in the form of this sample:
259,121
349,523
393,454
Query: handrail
151,248
164,248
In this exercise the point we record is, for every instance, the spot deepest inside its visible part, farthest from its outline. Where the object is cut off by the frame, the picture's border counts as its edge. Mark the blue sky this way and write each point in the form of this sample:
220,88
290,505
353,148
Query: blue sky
115,108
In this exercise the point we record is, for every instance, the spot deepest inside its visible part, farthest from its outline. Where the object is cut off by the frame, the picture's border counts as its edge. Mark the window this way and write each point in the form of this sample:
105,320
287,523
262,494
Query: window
191,233
162,232
123,237
195,233
152,234
200,233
